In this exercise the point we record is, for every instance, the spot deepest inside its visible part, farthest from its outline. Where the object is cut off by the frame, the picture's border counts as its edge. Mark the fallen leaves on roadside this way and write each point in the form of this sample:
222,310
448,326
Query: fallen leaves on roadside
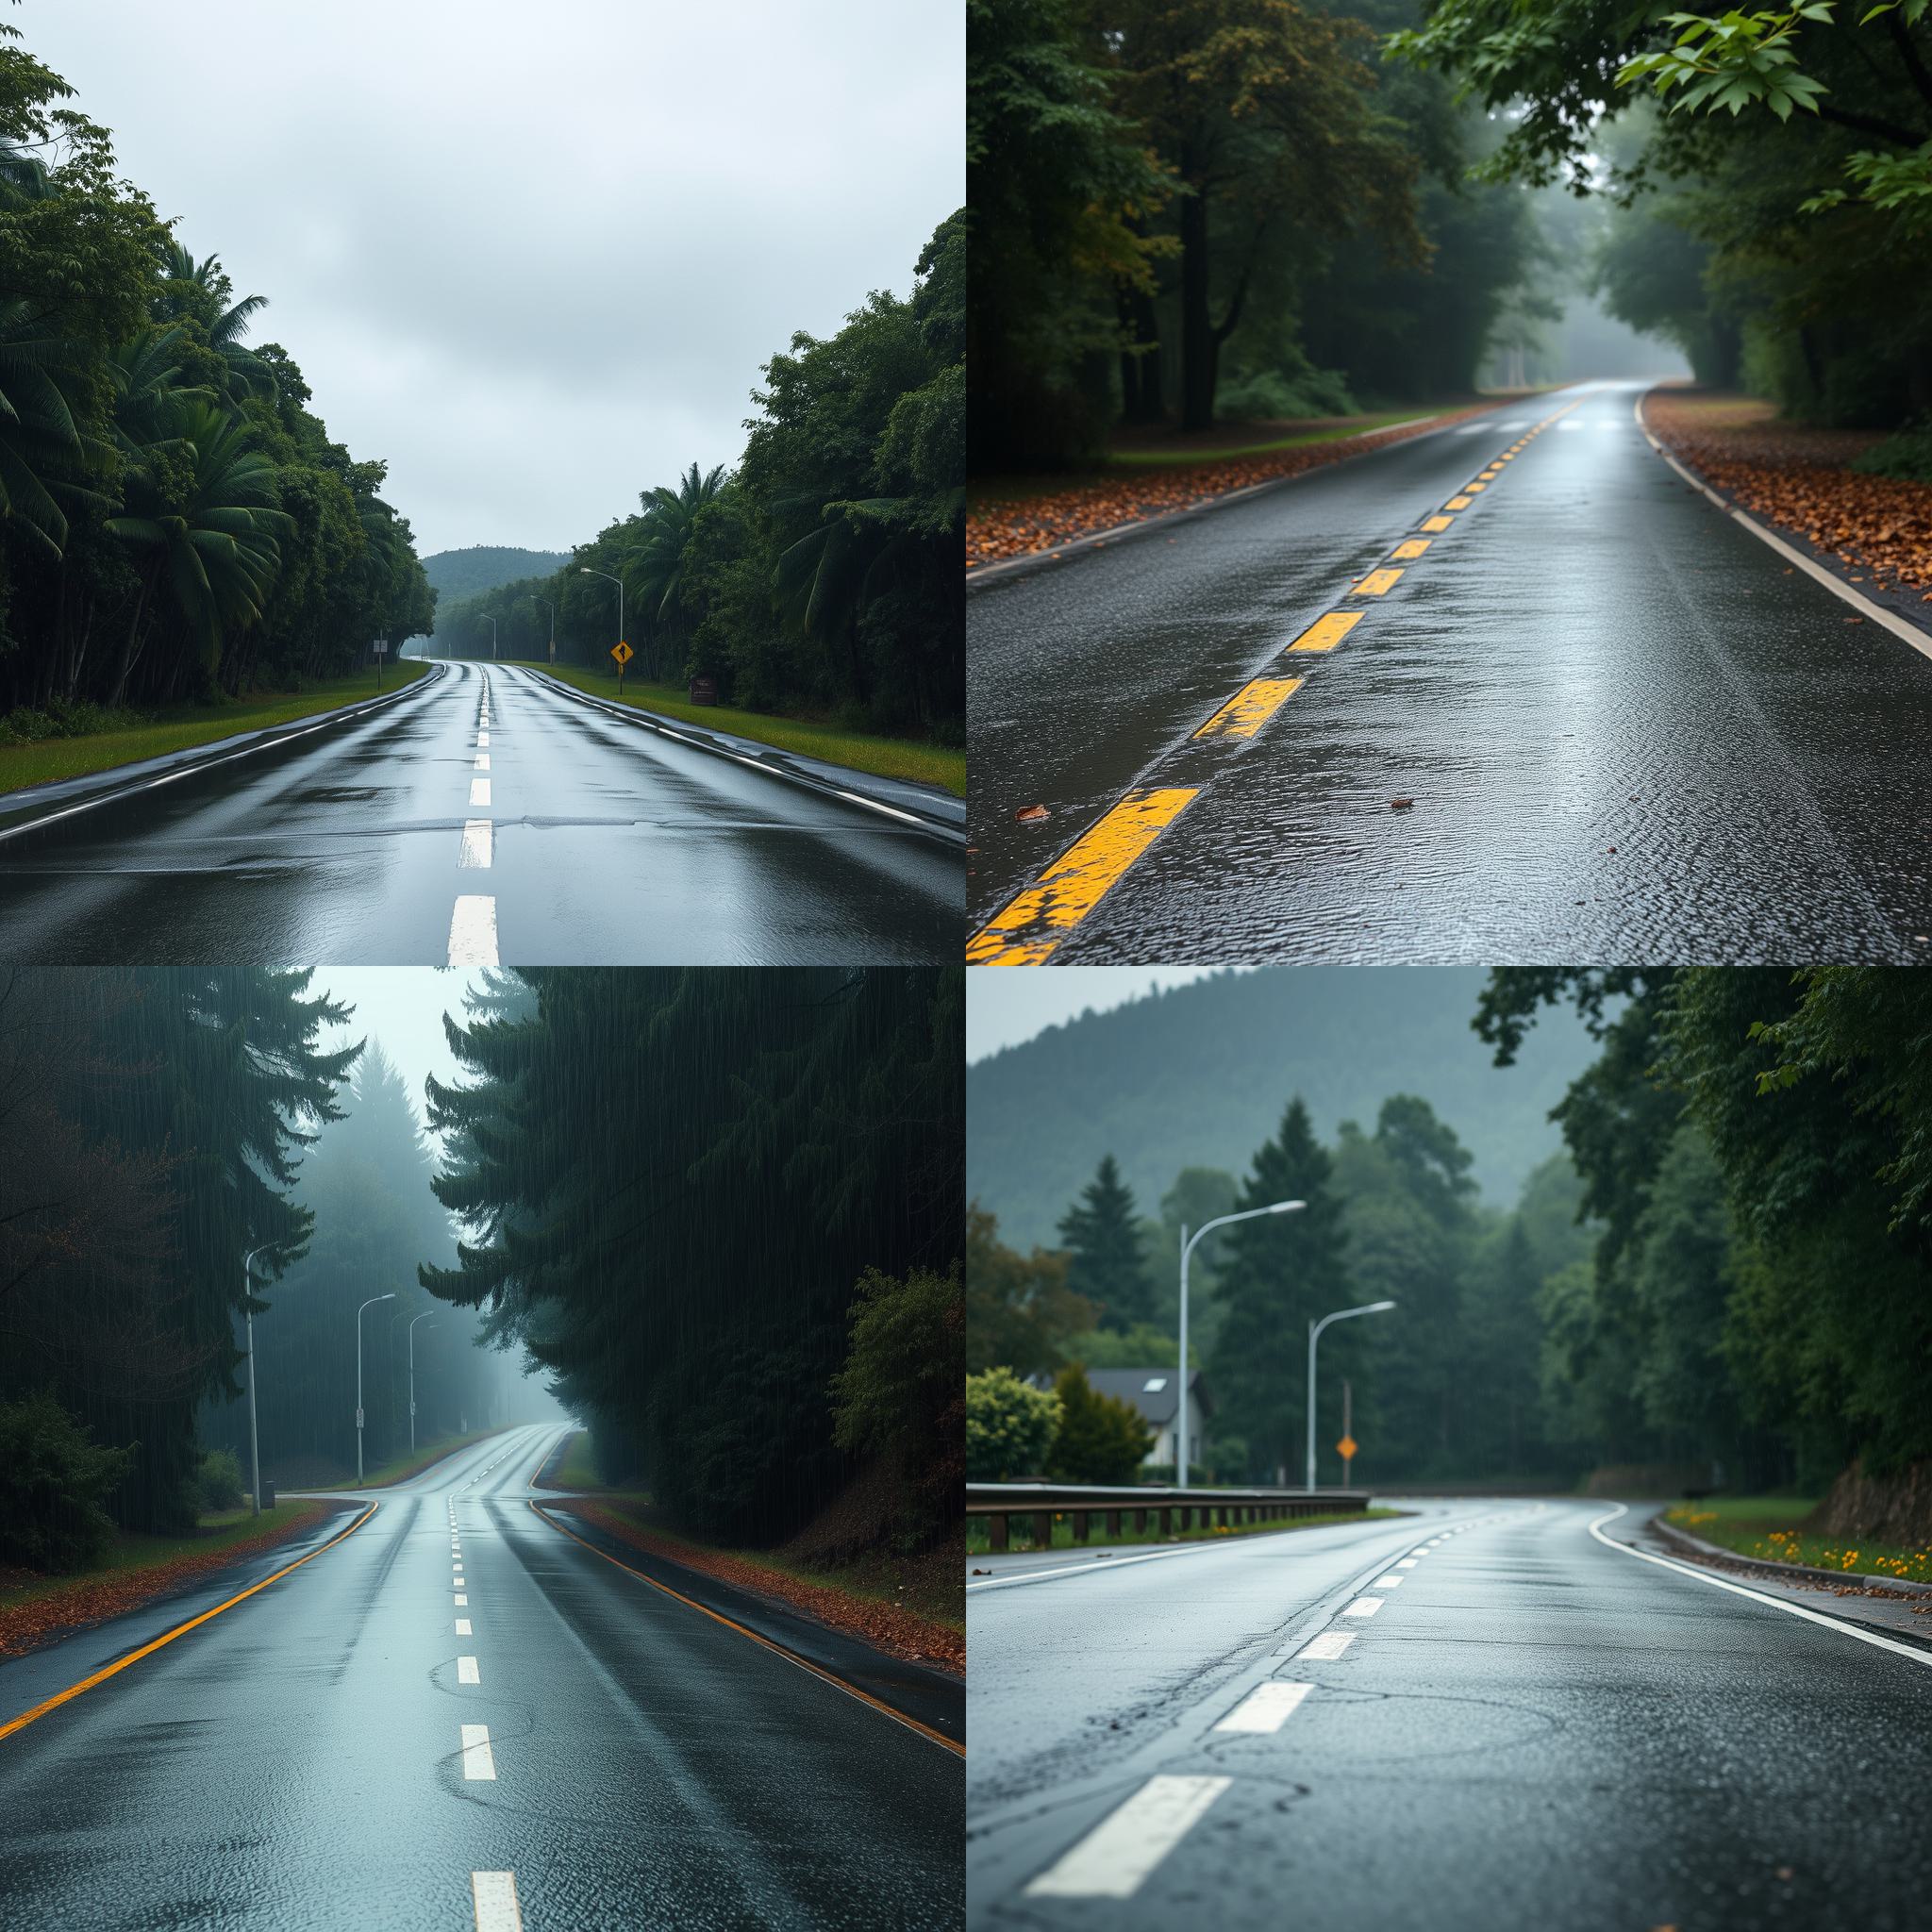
901,1633
77,1602
1030,814
1795,478
998,528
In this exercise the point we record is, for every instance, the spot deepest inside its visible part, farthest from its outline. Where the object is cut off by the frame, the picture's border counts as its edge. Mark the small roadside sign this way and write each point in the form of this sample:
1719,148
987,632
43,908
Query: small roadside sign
622,653
1346,1448
358,1418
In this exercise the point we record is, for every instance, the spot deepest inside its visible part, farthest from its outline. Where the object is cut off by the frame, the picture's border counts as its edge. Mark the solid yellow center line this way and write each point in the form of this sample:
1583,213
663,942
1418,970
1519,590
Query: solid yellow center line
1327,632
1378,583
1078,879
1413,548
1437,525
1250,707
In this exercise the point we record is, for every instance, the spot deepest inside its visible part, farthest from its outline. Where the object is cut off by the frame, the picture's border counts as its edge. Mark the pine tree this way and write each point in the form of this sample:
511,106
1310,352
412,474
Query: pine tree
1102,1234
1277,1274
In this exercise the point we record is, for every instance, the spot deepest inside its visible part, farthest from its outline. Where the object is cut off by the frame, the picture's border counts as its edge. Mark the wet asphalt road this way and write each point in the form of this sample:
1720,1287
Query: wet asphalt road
1533,1730
1631,732
597,844
300,1760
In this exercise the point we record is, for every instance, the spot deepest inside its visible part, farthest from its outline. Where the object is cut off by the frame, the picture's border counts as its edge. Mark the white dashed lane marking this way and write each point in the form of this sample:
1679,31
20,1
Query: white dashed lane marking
473,931
479,790
463,1626
1114,1860
1267,1707
466,1671
494,1895
477,1760
1364,1606
1328,1646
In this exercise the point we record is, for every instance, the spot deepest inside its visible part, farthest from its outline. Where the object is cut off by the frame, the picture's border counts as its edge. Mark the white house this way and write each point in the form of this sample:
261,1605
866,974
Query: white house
1155,1393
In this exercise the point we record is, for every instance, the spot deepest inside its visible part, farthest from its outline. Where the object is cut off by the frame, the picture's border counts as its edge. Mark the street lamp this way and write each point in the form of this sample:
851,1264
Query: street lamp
1180,1462
413,1378
1315,1329
585,570
248,1314
369,1304
492,623
551,608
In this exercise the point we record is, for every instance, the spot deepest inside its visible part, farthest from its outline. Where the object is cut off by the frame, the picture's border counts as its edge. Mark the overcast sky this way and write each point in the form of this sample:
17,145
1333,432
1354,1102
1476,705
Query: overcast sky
533,257
402,1008
1004,1007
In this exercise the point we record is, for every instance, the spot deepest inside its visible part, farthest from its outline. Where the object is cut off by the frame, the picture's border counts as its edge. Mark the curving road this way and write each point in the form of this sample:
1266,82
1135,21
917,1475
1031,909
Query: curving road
370,1743
1626,730
484,818
1482,1715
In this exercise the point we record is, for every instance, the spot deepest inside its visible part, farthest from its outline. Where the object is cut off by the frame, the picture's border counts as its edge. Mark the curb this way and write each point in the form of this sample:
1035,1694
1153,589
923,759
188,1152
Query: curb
778,765
986,575
117,783
1697,1544
1899,626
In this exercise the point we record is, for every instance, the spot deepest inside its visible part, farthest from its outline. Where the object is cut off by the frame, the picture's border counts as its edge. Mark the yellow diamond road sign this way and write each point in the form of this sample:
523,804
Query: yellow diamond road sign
1346,1447
622,653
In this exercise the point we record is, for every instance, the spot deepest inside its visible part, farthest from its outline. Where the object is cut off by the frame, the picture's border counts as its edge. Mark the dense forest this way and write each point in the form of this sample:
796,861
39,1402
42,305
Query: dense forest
822,573
724,1210
1770,172
1197,1074
175,521
1723,1277
1237,207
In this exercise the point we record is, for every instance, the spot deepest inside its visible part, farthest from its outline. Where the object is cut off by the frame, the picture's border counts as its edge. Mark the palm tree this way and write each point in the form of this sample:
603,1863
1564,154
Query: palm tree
199,288
202,515
658,563
39,437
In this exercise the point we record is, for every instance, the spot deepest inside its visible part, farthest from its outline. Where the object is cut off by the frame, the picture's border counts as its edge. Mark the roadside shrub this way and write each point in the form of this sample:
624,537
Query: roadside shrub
1102,1439
53,1481
218,1481
1010,1426
1906,455
1290,389
25,726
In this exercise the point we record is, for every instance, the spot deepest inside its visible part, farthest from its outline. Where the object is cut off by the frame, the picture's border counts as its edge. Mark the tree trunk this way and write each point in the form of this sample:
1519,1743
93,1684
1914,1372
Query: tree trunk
130,647
1199,349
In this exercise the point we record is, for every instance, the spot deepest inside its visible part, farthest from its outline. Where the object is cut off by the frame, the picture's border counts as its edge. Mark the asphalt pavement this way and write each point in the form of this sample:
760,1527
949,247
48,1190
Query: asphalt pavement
1480,1715
452,1707
1512,691
484,818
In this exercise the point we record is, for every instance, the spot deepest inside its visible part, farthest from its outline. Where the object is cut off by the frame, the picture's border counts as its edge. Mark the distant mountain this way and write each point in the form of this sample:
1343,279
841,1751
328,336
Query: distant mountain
1198,1076
455,574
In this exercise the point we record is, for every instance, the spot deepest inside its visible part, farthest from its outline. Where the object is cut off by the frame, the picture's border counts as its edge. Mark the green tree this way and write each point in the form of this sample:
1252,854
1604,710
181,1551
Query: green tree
1010,1426
1280,1271
1101,1236
1101,1439
1020,1312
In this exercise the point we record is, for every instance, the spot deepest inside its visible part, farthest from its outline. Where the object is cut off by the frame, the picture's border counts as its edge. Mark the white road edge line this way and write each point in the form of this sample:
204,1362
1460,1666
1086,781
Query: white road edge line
1115,1858
1757,1596
1266,1707
472,930
495,1897
478,1761
1897,625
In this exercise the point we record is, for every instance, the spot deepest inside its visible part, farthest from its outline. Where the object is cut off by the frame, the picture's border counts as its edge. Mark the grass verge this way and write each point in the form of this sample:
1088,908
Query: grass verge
137,1568
909,1607
862,751
1767,1527
1064,1530
180,727
578,1469
403,1467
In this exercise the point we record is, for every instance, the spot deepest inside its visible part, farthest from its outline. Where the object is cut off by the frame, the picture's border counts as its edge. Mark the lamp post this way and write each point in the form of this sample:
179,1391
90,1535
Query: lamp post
492,623
1180,1461
248,1315
1315,1329
369,1304
412,1377
585,570
551,608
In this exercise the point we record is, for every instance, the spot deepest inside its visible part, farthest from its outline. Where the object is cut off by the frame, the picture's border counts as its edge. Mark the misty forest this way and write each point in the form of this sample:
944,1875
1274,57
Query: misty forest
716,1215
175,523
1719,1280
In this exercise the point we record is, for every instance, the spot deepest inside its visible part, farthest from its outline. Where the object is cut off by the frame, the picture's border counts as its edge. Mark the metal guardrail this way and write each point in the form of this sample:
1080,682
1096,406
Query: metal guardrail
1173,1510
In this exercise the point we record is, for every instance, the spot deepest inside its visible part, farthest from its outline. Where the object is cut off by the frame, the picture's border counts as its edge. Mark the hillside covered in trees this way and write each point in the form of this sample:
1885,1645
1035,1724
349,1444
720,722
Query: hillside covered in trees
457,574
175,519
1195,1076
823,572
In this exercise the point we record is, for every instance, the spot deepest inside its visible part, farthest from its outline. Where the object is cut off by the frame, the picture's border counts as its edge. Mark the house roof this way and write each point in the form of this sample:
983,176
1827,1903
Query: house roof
1155,1393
